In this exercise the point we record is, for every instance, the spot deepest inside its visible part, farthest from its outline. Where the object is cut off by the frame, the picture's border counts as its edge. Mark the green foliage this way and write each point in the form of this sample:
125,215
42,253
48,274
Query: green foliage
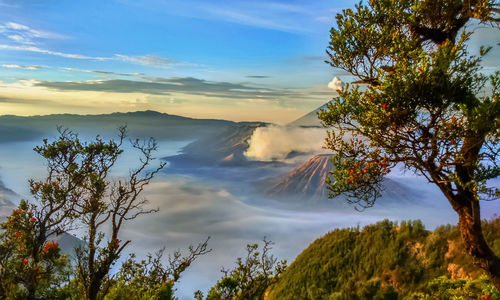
444,288
164,291
251,276
426,107
421,108
27,269
383,261
150,278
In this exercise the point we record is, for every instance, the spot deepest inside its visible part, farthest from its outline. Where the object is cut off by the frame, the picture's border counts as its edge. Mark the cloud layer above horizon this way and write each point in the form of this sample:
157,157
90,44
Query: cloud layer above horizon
242,60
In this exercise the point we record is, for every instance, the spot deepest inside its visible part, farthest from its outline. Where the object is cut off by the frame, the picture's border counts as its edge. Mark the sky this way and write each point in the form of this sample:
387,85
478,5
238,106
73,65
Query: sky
234,60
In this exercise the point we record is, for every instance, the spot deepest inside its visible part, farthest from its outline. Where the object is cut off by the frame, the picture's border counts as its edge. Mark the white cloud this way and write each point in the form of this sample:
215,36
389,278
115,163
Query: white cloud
148,60
24,39
49,52
336,84
25,35
100,72
16,26
19,39
11,66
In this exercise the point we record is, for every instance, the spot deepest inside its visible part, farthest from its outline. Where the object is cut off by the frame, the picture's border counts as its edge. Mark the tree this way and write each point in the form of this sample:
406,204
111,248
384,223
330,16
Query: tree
251,276
101,201
149,278
30,228
27,258
424,108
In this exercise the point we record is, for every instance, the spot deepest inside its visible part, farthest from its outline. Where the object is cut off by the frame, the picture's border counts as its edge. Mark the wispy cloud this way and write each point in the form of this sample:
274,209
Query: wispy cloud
26,35
12,66
149,60
165,86
101,72
268,15
258,76
187,86
24,38
49,52
146,60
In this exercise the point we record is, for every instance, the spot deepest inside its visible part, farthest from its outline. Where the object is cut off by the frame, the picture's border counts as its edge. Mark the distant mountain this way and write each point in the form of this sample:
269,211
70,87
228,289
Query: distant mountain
140,123
310,119
226,147
7,199
306,184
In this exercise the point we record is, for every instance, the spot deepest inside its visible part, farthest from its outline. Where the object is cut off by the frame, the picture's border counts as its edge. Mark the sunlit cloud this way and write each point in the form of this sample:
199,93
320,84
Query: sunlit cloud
149,60
336,84
276,142
13,66
26,35
182,96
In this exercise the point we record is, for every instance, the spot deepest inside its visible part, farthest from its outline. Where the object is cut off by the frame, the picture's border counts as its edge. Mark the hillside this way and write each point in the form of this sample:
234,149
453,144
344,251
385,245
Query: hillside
140,123
309,120
225,147
387,261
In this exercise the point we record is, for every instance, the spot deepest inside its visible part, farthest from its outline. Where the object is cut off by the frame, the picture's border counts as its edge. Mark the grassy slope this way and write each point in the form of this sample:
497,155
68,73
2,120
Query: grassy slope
380,261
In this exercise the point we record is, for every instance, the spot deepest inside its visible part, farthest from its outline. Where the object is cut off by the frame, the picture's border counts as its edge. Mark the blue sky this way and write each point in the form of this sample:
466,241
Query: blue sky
112,52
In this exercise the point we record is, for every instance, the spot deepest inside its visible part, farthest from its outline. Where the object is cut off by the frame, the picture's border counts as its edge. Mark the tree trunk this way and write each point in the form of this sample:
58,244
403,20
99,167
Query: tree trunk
93,290
31,289
469,225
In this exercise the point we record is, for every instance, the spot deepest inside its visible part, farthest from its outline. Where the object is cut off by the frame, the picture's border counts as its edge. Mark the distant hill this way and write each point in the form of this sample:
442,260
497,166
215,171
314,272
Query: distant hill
309,120
7,199
387,261
140,123
306,185
226,147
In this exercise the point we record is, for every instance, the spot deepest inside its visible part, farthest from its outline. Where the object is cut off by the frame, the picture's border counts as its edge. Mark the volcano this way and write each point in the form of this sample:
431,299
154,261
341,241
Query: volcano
306,184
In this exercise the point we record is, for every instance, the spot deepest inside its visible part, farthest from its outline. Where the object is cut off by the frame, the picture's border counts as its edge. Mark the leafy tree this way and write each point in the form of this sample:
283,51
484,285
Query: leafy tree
149,278
445,288
100,202
425,107
251,276
30,228
23,262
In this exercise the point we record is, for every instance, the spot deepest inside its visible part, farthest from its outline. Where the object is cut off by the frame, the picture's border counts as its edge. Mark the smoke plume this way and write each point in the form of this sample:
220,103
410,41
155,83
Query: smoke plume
276,142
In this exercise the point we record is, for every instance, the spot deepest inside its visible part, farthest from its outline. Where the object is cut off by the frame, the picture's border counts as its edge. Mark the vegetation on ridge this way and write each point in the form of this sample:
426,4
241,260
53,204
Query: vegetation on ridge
388,261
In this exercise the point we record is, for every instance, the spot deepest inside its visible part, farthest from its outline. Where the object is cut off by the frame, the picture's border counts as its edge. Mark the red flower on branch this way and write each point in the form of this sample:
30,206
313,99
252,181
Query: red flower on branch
50,245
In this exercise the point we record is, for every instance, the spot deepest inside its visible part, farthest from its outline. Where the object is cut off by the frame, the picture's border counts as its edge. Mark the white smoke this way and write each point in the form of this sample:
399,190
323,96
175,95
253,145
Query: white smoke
276,142
336,84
